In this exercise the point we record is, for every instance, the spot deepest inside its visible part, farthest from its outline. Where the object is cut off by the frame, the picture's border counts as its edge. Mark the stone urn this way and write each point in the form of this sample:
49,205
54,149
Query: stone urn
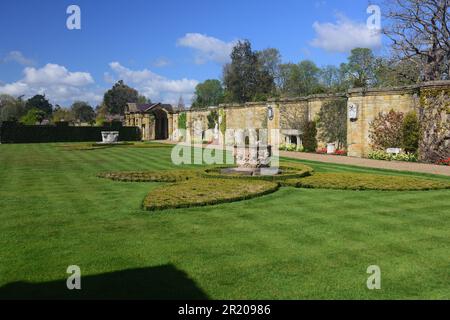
110,136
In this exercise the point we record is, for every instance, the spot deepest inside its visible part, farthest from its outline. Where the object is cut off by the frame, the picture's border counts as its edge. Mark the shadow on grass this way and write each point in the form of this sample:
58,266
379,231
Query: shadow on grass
162,282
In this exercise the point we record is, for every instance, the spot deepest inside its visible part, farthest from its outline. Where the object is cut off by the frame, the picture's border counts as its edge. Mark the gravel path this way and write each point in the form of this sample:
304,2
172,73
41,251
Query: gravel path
362,162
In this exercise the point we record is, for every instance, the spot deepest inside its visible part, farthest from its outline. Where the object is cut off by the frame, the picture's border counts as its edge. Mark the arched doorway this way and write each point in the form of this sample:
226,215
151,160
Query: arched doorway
161,124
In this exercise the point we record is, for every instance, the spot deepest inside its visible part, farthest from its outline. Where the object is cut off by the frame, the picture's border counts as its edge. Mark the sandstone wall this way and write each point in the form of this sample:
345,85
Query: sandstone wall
369,102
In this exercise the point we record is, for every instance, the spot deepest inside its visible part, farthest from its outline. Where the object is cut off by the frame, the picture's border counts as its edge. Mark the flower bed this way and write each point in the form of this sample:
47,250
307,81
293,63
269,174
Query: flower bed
444,162
335,153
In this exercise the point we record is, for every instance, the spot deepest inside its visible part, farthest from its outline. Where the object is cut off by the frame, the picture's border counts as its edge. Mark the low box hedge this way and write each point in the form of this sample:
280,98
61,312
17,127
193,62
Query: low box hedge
362,181
203,192
150,176
289,170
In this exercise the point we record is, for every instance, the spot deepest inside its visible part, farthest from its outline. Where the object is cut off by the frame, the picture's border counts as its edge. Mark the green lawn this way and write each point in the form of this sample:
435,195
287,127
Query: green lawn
292,244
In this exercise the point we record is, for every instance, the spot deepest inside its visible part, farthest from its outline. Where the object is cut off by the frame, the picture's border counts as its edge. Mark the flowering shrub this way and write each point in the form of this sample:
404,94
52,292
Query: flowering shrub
444,162
336,153
382,155
386,130
290,147
340,152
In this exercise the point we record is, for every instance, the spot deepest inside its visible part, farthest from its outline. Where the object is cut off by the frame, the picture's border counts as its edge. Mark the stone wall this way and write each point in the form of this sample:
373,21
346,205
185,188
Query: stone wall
287,113
369,104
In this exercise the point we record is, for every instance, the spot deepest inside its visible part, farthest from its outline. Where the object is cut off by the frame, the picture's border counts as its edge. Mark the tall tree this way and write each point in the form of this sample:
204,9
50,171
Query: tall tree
420,32
143,100
39,102
270,60
33,116
118,96
361,68
392,72
333,79
83,112
300,79
208,93
244,78
181,106
62,114
11,109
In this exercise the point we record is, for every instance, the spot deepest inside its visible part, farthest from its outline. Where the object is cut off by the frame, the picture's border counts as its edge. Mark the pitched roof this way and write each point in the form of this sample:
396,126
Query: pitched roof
142,108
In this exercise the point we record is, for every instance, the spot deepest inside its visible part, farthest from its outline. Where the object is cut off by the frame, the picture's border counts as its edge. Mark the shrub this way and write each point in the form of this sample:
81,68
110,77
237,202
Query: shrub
196,192
309,136
444,162
150,176
386,130
288,147
340,152
382,155
411,132
321,150
362,181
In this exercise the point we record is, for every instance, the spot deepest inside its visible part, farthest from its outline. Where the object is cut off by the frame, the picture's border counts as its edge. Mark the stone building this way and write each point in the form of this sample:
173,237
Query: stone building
152,119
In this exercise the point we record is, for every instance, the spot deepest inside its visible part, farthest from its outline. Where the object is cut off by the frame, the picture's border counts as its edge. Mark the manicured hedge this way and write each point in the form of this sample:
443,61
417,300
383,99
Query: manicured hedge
361,181
203,192
13,132
96,146
150,176
289,170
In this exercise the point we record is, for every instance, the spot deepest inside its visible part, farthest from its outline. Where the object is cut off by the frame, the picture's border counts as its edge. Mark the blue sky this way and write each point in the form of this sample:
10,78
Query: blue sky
163,48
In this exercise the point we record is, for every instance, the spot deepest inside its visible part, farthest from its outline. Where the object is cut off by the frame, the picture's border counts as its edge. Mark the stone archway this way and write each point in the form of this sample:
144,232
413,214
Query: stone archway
161,124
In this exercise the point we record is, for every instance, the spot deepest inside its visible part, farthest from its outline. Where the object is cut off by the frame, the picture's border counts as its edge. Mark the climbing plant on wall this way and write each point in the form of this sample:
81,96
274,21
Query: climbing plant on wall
434,125
223,124
411,132
385,130
213,118
309,136
182,121
332,122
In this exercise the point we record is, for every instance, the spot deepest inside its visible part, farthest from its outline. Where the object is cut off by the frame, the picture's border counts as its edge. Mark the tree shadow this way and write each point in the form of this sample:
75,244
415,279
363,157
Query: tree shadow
160,283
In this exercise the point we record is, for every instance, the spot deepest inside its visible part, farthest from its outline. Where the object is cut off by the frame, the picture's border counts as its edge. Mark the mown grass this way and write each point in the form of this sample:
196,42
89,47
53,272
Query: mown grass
292,244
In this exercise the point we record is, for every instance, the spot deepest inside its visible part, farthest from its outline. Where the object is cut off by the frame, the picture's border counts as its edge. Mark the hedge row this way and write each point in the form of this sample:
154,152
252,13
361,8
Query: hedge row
150,176
204,192
95,146
362,181
289,170
12,132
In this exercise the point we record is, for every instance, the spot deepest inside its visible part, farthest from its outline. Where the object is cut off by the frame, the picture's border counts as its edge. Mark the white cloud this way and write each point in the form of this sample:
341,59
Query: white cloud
154,86
57,83
345,35
18,57
162,62
207,48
